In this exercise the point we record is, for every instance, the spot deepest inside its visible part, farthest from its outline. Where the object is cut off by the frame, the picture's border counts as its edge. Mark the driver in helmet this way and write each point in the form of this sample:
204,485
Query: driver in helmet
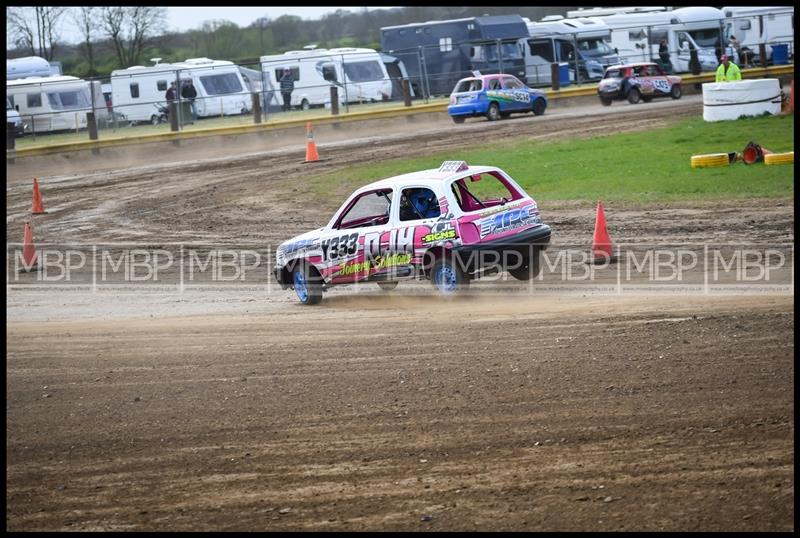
418,203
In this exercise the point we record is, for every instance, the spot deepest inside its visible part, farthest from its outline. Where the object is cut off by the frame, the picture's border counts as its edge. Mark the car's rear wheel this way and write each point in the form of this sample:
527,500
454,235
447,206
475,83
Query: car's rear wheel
493,114
458,119
305,105
634,96
676,91
307,284
387,286
605,102
530,269
539,106
448,277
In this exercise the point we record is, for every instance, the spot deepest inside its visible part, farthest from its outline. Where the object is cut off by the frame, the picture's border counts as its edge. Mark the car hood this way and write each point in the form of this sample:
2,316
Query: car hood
313,234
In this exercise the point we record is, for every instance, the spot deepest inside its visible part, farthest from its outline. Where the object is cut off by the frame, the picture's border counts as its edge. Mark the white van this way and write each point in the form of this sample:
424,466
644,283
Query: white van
359,74
54,103
139,92
12,116
755,25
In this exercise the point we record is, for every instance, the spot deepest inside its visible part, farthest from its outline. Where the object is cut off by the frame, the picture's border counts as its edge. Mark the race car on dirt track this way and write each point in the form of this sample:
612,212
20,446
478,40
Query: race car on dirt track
449,225
494,96
640,81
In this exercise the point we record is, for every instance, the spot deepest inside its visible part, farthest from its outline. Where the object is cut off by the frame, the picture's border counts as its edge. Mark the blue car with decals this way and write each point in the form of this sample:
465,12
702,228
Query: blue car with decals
494,96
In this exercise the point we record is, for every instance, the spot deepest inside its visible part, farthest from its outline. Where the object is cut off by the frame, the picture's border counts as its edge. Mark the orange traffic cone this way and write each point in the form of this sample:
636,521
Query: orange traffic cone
38,208
28,250
601,244
311,146
753,153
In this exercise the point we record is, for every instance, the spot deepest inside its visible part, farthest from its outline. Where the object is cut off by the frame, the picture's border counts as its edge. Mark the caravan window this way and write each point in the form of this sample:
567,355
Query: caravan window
295,73
445,44
162,85
135,90
34,100
509,51
68,100
221,84
328,71
363,71
543,49
705,38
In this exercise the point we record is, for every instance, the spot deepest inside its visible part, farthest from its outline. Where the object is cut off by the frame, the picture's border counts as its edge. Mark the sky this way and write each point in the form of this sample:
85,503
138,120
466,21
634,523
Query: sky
189,18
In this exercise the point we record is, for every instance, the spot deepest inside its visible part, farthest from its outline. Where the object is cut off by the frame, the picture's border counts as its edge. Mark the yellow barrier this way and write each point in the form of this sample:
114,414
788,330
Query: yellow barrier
326,119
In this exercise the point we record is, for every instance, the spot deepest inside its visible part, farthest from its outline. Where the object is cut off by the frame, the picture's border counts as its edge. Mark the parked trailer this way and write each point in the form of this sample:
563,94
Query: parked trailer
688,31
55,103
139,91
755,25
358,73
582,42
437,54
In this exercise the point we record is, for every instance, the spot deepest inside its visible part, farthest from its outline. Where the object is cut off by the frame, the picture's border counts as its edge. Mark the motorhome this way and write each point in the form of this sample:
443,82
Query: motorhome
437,54
688,31
582,43
755,25
55,103
139,92
12,116
359,75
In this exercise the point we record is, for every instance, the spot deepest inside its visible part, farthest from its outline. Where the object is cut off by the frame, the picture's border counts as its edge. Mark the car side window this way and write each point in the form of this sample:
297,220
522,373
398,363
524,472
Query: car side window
369,209
494,84
418,203
511,84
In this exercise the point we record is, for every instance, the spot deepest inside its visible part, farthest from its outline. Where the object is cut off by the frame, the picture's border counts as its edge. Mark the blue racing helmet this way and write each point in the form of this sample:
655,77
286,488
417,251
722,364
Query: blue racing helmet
424,201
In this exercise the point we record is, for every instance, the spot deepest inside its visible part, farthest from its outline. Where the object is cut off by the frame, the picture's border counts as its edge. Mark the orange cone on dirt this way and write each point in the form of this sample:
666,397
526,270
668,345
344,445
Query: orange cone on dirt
38,208
601,244
28,250
311,146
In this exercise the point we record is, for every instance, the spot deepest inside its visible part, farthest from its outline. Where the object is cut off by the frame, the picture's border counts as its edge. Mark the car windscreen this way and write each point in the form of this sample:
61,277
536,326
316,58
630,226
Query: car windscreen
594,47
221,84
615,73
509,51
69,99
480,191
363,71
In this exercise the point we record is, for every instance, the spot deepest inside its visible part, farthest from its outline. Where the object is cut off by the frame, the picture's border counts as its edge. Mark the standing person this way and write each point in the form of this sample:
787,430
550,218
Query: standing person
171,95
287,87
189,92
663,53
727,70
742,52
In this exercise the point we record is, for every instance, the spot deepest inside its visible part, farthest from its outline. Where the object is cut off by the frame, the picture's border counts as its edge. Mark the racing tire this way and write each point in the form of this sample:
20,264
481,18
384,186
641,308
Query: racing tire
307,284
493,114
646,99
710,160
388,285
305,105
634,96
539,106
155,120
448,277
530,270
779,158
458,119
605,102
505,115
676,92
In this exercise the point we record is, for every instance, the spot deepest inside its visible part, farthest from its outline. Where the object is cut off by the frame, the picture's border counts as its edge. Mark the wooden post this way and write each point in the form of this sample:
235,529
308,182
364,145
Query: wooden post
334,101
91,122
11,133
406,92
173,116
555,76
762,54
256,107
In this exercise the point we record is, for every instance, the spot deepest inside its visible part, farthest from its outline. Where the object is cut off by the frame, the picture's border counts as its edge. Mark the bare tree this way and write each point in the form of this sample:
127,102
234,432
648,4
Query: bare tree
87,19
35,28
130,28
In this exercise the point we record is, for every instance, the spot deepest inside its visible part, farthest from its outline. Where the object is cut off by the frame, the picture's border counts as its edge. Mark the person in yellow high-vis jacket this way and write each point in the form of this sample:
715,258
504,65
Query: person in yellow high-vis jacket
727,70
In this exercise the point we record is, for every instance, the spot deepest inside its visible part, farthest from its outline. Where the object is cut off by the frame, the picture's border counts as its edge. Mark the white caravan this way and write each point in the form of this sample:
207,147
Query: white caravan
555,39
139,92
29,66
359,74
636,36
55,103
755,25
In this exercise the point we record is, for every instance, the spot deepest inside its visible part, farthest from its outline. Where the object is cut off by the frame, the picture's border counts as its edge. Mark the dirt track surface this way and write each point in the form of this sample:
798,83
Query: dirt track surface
228,410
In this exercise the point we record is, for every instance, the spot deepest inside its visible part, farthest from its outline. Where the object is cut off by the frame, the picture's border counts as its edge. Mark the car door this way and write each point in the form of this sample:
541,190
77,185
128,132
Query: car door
521,98
661,83
346,243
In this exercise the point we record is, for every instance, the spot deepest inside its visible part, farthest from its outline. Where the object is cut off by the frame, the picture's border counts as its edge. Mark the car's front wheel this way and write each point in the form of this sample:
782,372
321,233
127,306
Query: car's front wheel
634,96
388,285
539,107
448,277
458,119
493,114
676,91
605,102
307,284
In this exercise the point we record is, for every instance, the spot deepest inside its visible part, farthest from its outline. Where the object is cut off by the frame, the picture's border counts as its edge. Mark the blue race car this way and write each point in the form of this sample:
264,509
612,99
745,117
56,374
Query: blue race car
494,96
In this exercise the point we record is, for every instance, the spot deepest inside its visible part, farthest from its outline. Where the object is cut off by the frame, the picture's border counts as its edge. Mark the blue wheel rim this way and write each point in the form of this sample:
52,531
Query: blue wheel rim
445,279
300,286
